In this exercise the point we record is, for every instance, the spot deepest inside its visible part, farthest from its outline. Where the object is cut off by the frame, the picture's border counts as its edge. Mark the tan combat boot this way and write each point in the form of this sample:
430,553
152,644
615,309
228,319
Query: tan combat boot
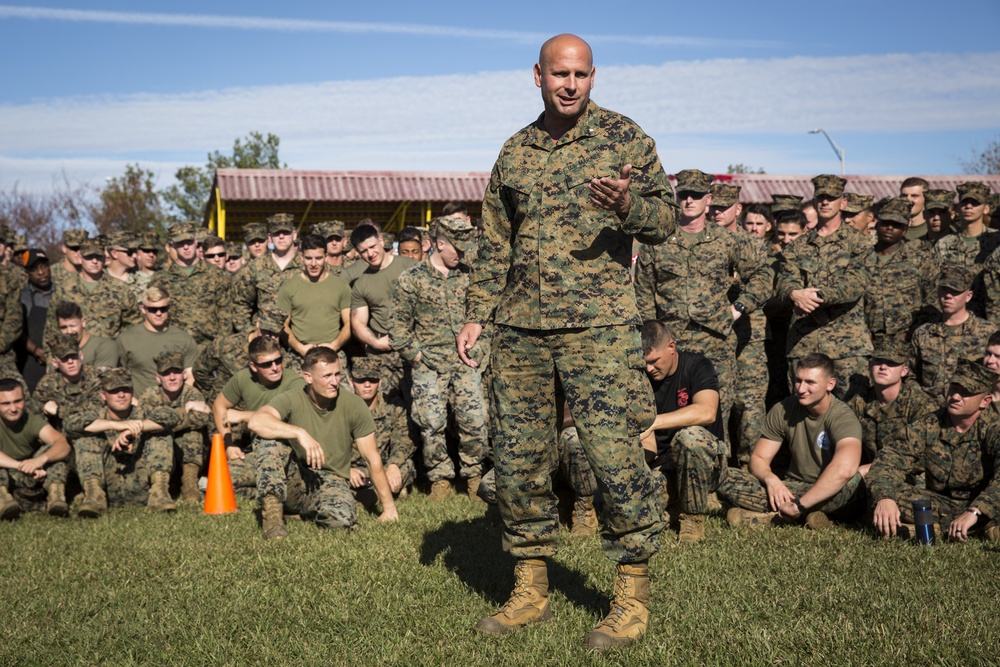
440,490
95,503
737,517
159,493
190,493
56,505
9,508
584,517
818,521
992,532
692,528
629,613
273,519
528,602
472,488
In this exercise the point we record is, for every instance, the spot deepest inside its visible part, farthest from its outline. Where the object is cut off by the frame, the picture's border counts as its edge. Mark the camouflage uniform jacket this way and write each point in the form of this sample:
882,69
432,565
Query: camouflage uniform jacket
549,258
71,397
109,308
15,273
11,314
903,292
688,280
953,250
392,434
840,266
60,274
154,398
937,349
220,360
962,466
75,423
881,424
199,302
991,287
256,286
428,312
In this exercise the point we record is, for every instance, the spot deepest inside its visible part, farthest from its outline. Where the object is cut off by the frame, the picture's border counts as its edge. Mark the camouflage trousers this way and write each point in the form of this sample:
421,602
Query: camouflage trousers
741,489
318,495
433,392
366,495
751,380
601,371
16,480
392,372
191,445
697,463
851,374
720,351
945,508
124,476
243,471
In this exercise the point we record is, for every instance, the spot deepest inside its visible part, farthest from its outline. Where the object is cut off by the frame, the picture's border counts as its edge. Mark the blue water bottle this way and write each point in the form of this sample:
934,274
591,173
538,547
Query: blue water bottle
923,519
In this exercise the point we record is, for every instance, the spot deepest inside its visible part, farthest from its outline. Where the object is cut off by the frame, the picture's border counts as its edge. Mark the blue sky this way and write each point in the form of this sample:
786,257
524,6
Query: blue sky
904,87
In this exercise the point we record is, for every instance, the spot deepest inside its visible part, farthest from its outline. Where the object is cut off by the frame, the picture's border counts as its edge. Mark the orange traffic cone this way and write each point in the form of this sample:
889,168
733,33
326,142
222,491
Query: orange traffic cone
219,496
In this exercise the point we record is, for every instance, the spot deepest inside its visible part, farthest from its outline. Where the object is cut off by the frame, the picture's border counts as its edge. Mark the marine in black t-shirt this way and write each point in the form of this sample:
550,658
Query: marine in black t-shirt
694,373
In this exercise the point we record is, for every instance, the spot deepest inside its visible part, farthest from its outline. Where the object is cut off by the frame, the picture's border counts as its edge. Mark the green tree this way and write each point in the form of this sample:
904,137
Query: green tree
743,169
129,203
188,197
986,161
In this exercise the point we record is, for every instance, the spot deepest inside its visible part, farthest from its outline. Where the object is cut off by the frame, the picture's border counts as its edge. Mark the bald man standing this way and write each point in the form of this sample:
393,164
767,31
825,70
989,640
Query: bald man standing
566,198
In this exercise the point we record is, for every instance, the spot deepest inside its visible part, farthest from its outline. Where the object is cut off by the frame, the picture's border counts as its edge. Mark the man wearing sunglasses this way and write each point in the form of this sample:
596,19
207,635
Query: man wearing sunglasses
107,304
72,239
199,291
138,345
246,392
70,388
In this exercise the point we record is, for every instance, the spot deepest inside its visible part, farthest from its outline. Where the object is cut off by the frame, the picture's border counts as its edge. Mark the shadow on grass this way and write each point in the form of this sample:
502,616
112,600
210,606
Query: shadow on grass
471,549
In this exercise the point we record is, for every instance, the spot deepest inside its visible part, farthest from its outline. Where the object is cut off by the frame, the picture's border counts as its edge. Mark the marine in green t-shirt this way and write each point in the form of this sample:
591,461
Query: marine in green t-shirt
321,424
823,438
318,303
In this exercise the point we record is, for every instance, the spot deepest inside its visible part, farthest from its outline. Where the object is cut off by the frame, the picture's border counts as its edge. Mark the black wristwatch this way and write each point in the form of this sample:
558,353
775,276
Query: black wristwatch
740,308
798,503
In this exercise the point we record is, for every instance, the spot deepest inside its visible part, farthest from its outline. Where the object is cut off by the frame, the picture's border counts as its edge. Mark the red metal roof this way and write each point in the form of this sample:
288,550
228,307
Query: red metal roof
364,186
428,186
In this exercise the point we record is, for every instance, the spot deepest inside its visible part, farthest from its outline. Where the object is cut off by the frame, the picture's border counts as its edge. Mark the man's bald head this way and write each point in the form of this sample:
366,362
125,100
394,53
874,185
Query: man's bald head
565,41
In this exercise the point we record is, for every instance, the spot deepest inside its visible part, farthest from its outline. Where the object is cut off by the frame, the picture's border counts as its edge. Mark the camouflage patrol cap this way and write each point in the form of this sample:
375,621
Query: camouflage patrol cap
459,232
281,222
123,240
181,231
785,203
388,239
328,228
725,195
116,378
271,319
897,209
693,180
938,200
20,243
254,231
973,377
5,233
828,184
956,277
974,190
856,203
201,233
892,349
148,241
92,247
73,237
366,367
169,358
234,250
994,202
64,345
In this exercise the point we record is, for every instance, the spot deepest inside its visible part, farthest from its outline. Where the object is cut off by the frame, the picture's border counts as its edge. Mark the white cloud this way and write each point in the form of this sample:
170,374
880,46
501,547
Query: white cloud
343,27
459,122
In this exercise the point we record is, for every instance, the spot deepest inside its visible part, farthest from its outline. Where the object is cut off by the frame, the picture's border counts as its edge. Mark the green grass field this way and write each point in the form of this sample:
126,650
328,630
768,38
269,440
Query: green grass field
189,589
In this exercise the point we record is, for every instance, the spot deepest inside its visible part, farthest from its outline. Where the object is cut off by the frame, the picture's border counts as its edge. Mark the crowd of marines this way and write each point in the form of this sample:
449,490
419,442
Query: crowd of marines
122,358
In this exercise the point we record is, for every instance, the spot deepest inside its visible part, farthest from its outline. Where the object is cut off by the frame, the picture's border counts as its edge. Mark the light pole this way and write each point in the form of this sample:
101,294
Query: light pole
836,149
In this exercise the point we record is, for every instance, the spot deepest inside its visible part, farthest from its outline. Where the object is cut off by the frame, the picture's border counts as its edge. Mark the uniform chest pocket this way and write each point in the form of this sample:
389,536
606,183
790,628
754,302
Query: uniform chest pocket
671,263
